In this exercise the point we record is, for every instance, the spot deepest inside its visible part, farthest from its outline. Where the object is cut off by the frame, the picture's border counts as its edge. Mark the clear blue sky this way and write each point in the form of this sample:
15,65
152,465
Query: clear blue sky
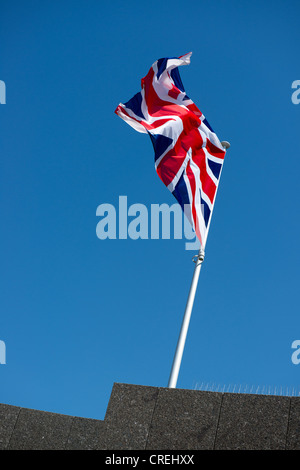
79,313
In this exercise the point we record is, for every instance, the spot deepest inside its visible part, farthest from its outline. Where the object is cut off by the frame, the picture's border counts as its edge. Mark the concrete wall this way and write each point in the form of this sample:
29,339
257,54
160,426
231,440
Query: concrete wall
154,418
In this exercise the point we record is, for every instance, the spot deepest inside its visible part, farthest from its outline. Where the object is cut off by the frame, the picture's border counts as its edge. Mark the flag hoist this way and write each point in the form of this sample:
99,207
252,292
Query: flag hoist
188,157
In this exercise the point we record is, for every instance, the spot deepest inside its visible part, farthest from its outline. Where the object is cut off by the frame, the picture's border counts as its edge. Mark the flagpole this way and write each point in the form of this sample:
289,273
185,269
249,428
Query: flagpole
189,307
186,320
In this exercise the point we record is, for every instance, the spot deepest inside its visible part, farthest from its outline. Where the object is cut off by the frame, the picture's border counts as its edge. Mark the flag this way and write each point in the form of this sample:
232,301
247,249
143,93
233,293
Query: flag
188,154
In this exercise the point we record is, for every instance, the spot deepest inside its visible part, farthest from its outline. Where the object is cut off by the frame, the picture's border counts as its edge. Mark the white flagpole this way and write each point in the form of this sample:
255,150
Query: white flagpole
189,306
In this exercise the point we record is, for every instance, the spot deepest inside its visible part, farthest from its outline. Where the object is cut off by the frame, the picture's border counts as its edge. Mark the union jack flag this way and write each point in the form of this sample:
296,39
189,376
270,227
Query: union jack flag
188,153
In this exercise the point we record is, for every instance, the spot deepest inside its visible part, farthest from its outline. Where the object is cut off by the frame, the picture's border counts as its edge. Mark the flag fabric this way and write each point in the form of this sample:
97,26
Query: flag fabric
188,153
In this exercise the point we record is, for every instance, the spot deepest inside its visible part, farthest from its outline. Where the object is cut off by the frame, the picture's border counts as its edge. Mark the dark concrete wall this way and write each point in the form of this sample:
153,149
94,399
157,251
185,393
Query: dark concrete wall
153,418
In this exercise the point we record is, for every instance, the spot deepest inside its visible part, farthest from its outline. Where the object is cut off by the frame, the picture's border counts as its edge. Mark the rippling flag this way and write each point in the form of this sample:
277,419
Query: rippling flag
188,153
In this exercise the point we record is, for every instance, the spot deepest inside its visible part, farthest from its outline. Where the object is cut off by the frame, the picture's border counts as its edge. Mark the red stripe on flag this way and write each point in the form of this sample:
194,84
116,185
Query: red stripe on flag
158,107
208,185
159,122
193,108
171,163
215,151
174,92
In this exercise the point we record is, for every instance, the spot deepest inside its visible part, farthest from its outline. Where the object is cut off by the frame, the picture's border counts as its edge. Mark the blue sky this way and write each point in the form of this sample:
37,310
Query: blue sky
79,313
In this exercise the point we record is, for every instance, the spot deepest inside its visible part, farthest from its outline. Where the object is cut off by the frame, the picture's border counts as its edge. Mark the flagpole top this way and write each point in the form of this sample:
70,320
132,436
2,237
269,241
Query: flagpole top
225,144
